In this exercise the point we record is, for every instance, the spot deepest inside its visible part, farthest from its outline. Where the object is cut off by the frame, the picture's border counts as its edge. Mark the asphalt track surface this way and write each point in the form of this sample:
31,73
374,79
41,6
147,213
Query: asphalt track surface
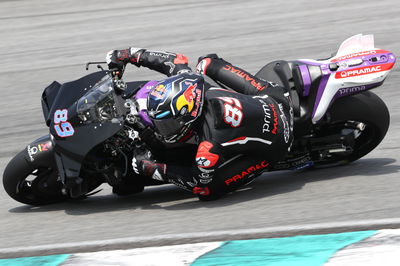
48,40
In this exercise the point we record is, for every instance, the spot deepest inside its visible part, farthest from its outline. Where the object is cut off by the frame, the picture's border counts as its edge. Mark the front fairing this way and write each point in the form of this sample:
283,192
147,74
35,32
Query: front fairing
84,114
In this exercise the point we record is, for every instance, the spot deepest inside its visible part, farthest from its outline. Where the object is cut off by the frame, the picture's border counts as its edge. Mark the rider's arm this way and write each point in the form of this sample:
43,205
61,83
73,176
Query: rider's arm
164,62
144,163
189,177
230,76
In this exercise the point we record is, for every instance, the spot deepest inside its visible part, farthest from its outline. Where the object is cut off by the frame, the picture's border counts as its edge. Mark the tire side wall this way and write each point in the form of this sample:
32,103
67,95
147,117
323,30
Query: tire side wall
366,106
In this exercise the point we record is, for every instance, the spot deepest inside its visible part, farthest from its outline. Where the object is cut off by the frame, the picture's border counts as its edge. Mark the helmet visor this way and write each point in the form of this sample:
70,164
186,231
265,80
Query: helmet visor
169,127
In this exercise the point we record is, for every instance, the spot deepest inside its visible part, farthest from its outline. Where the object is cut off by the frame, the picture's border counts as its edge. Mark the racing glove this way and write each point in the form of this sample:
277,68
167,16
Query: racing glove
143,163
117,59
204,61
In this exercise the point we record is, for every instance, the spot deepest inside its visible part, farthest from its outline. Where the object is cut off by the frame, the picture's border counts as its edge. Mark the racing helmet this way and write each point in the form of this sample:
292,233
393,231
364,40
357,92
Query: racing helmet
174,104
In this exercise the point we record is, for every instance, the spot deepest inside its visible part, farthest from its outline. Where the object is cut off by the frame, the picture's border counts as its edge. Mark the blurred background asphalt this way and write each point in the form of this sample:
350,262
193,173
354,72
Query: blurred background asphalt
48,40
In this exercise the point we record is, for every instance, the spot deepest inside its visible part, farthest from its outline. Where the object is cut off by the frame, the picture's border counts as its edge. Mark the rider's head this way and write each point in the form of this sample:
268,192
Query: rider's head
175,103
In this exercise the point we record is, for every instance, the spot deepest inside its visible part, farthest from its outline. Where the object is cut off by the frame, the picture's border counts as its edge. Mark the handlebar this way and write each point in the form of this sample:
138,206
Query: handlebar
119,85
95,63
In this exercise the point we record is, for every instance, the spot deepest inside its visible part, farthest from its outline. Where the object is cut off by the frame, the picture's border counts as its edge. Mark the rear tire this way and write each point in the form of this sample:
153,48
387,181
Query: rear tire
30,184
368,109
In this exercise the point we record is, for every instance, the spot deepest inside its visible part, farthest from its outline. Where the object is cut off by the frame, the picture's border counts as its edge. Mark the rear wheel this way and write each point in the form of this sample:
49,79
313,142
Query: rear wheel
30,184
366,117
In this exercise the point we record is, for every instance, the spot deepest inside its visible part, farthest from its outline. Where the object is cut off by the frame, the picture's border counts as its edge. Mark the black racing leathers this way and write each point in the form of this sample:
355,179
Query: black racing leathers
239,134
166,63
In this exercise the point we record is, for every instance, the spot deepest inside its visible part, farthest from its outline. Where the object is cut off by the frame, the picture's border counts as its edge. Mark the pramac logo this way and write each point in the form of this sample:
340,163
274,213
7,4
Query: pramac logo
363,71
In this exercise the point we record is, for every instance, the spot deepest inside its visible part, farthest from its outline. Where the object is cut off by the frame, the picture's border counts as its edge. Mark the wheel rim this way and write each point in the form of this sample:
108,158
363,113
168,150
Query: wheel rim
35,185
364,143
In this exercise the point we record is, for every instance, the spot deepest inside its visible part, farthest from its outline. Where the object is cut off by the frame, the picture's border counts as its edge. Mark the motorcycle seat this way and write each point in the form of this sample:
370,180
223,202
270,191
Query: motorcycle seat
281,72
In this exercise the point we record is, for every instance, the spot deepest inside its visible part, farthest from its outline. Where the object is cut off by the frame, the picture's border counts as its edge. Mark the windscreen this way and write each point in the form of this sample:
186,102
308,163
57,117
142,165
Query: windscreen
98,104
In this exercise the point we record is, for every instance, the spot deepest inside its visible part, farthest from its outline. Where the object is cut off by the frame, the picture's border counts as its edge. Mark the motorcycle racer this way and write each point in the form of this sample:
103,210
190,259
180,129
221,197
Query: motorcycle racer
240,130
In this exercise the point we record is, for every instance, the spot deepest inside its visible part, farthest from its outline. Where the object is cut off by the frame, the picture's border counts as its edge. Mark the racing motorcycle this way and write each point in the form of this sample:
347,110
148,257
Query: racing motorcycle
95,123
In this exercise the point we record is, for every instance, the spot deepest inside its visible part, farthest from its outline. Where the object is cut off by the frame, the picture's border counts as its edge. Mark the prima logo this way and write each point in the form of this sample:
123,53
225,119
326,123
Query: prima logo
267,117
351,90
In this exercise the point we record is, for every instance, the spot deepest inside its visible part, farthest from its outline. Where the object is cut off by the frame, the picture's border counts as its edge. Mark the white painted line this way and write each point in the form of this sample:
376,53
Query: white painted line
174,239
177,255
380,249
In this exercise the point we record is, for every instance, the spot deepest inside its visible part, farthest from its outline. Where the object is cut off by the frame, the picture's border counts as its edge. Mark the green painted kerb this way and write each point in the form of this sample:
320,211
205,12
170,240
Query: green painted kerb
308,250
52,260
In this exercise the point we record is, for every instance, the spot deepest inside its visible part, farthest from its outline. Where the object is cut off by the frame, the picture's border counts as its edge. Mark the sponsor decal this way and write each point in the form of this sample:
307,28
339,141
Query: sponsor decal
109,56
201,67
363,71
245,76
345,57
159,92
179,183
187,98
303,166
192,184
159,54
351,90
202,162
207,171
233,114
273,131
32,150
198,102
204,158
135,165
267,117
286,129
252,169
294,164
244,140
205,178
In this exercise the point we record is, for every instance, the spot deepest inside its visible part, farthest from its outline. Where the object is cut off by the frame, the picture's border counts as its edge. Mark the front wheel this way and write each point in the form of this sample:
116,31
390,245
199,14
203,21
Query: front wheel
30,184
366,116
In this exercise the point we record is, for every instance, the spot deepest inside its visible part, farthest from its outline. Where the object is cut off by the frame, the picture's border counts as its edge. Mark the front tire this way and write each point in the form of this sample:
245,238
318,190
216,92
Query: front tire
30,184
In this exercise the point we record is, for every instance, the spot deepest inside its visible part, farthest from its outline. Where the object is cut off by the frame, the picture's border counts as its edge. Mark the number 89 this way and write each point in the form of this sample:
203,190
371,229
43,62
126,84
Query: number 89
62,127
